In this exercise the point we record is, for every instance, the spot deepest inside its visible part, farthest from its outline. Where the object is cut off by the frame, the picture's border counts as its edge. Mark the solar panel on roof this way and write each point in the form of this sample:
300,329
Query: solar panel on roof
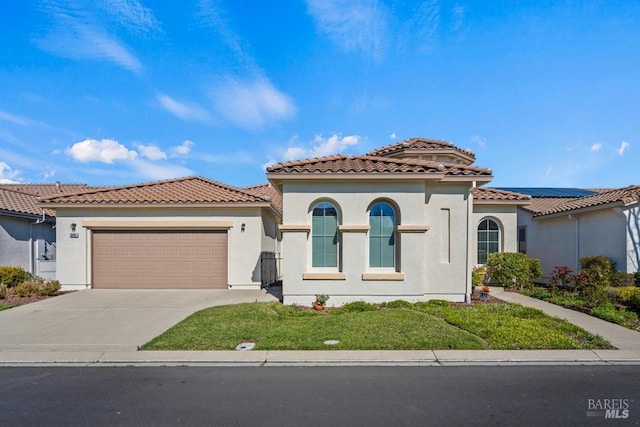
550,192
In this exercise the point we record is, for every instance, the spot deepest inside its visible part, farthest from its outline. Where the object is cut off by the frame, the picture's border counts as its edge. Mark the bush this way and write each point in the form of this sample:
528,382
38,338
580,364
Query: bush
13,275
359,306
35,286
477,274
636,278
3,291
619,279
399,303
610,313
512,269
597,271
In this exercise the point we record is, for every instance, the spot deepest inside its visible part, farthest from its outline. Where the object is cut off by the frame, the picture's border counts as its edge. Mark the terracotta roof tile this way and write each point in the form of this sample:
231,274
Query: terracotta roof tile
25,198
626,195
418,143
267,191
541,204
187,190
492,194
21,203
341,164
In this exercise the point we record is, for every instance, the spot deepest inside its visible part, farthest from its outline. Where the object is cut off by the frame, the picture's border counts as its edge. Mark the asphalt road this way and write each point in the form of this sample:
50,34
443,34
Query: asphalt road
327,396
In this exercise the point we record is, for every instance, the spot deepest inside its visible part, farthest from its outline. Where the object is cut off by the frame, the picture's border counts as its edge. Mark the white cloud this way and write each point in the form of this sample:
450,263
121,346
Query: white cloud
322,147
393,135
623,146
549,170
11,118
104,151
182,149
132,14
151,151
7,174
153,171
182,110
252,104
596,147
76,34
482,142
360,26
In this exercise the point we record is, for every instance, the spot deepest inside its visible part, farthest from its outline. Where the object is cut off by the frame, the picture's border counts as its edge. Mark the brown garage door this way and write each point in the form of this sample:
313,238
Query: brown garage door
159,259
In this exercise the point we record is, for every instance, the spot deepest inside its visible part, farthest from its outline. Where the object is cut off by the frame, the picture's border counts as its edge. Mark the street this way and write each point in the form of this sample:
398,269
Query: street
353,396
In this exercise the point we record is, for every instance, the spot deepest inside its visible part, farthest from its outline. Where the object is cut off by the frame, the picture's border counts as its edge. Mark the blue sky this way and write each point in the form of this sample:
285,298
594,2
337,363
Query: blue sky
546,93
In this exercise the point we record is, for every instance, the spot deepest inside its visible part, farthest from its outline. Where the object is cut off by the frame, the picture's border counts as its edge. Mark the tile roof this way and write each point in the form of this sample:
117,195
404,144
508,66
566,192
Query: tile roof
541,204
21,203
188,190
624,196
418,144
341,164
25,198
45,190
267,191
493,194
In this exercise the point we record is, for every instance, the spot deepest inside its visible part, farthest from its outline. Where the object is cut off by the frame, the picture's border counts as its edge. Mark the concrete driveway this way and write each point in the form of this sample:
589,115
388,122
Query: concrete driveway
107,320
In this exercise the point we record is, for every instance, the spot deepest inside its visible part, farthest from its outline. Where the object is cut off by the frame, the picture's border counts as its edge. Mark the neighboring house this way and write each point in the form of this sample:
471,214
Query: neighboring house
560,226
398,223
27,231
181,233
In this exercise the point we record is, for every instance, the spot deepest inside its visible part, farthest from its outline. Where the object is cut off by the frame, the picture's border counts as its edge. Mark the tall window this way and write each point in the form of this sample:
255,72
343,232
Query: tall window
488,239
382,236
324,236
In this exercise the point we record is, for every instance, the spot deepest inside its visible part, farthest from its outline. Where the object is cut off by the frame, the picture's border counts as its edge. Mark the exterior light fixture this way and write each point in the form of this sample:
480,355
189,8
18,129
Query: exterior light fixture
242,227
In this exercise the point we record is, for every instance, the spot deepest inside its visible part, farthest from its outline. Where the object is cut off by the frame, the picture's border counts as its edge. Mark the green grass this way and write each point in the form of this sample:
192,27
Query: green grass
5,306
395,326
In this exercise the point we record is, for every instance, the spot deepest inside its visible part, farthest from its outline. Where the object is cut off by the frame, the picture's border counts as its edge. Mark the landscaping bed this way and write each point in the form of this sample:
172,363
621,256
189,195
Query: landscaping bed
396,325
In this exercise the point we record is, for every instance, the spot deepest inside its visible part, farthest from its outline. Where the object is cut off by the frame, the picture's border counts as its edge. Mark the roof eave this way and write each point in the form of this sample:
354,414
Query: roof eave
501,202
578,211
130,205
281,176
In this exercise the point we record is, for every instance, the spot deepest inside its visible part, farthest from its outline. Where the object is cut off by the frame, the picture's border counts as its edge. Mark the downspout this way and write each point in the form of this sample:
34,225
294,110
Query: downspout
468,289
31,258
577,241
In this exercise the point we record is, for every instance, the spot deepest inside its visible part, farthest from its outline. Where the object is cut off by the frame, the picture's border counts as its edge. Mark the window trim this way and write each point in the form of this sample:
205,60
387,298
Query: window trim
338,260
394,233
478,241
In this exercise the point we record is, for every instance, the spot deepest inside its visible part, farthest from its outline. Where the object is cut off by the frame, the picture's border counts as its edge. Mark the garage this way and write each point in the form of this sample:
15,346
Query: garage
159,259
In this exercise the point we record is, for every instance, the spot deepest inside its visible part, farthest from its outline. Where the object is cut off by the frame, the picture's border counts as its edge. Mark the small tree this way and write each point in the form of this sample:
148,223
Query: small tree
512,269
597,271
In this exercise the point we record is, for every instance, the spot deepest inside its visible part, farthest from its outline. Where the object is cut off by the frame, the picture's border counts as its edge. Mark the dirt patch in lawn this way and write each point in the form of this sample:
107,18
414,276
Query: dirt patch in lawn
15,301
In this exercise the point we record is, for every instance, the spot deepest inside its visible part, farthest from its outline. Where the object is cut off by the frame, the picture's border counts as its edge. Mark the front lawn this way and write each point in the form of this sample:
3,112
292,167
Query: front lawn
394,326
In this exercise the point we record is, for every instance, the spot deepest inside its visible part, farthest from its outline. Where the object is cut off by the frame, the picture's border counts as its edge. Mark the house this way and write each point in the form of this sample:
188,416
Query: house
560,226
182,233
406,221
27,231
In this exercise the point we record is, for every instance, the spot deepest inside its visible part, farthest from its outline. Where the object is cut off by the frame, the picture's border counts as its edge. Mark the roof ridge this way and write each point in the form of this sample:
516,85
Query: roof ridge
308,161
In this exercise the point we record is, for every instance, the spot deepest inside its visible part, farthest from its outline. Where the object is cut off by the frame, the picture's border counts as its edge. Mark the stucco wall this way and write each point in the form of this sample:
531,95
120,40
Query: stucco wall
563,240
245,248
15,234
507,219
431,264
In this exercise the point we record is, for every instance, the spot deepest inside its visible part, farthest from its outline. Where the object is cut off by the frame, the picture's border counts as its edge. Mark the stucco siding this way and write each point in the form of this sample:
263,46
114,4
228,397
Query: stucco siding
420,272
244,253
507,219
15,237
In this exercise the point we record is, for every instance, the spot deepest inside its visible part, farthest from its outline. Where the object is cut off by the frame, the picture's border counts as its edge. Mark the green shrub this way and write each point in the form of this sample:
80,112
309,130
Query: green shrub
3,291
13,275
596,271
636,278
438,303
512,269
610,313
619,279
397,304
35,286
358,307
477,274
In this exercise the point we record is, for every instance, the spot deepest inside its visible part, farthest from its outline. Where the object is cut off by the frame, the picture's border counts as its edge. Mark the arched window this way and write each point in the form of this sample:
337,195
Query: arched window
324,236
488,239
382,236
